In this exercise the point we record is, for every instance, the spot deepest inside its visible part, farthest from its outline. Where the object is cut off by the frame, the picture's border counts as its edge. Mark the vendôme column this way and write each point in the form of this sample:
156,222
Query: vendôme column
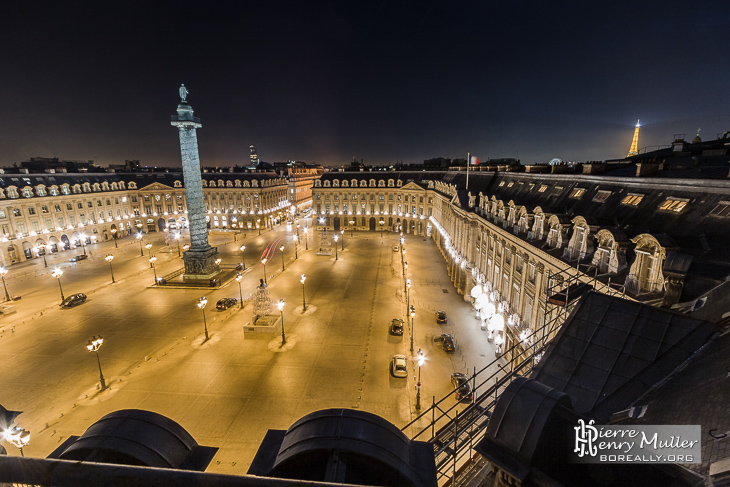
200,258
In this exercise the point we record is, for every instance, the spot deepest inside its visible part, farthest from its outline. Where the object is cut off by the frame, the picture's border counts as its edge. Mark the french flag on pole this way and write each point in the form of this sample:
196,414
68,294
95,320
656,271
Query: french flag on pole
473,161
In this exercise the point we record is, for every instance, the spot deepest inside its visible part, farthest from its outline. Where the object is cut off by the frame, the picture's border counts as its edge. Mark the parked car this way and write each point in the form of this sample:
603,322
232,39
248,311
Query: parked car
447,342
73,300
77,258
441,317
399,366
396,327
225,303
463,387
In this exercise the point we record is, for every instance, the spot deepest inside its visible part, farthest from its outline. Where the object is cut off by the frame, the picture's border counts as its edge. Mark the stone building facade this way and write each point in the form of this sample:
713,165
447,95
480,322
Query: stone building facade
526,238
52,212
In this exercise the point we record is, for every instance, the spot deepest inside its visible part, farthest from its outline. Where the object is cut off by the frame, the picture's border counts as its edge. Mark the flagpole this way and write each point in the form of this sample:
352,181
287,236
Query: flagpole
468,157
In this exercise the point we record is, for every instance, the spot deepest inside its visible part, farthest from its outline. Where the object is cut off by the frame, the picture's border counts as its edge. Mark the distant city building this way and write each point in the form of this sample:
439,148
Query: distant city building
301,179
254,156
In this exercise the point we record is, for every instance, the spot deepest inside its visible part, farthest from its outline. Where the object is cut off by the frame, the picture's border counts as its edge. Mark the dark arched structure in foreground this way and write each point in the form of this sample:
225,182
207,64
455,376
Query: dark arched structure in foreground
137,437
347,446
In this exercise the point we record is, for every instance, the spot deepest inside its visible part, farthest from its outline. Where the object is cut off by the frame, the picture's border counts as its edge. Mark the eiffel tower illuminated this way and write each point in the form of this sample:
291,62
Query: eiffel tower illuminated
635,143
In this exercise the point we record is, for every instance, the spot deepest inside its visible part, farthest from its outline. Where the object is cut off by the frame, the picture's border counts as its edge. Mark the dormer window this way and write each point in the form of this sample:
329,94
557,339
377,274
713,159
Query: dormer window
601,196
542,188
632,199
722,209
577,193
674,204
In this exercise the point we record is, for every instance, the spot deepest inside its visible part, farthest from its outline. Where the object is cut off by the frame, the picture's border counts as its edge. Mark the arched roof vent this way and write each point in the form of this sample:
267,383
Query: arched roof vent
347,446
137,437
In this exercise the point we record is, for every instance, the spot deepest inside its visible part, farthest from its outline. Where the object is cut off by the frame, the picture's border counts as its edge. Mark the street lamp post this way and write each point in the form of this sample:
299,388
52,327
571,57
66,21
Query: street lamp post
303,278
413,313
280,305
149,251
239,277
352,227
306,240
153,259
342,232
139,239
296,253
243,257
282,257
201,304
18,436
114,237
38,251
82,239
418,384
263,261
57,273
258,225
177,237
336,237
408,294
382,222
402,250
4,271
93,346
109,258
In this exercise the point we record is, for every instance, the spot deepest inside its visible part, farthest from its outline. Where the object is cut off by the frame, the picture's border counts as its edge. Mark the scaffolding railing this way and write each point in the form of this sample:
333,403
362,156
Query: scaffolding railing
455,428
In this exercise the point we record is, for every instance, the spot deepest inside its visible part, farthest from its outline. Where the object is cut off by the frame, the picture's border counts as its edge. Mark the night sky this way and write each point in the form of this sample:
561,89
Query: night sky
383,81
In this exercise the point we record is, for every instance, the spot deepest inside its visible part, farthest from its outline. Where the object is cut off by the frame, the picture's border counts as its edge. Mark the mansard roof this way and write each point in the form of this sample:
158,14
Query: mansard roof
610,351
418,177
57,179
